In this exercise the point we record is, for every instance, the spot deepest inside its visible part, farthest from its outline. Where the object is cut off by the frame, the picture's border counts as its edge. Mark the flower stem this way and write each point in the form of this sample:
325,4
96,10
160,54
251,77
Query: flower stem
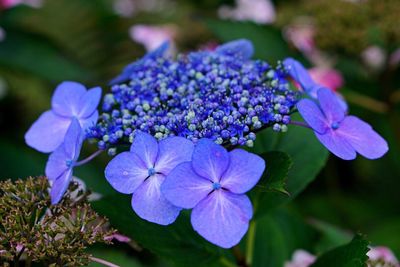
366,102
300,123
250,243
86,160
104,262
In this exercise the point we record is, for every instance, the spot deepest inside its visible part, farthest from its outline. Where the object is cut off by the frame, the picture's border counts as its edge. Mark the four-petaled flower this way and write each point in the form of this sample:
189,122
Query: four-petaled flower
214,184
61,162
70,100
342,135
142,171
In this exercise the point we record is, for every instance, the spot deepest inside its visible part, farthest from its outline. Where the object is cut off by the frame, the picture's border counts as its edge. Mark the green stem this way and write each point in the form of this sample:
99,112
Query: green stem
225,262
251,235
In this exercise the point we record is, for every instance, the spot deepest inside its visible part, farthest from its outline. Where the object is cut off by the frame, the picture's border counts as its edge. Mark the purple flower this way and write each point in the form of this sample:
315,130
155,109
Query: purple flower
60,165
214,184
129,70
342,135
142,171
70,100
242,48
300,75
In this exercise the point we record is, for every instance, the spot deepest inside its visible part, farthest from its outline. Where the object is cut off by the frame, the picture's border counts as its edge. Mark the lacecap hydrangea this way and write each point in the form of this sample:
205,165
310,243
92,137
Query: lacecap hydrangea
184,119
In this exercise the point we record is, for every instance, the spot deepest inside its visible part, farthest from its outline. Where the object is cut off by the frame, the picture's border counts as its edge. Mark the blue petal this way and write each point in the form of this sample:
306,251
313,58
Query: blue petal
173,151
129,70
126,172
89,102
210,160
336,144
73,140
66,99
331,106
312,114
88,122
242,48
57,163
244,171
298,73
222,218
59,186
184,188
363,138
47,133
145,147
149,204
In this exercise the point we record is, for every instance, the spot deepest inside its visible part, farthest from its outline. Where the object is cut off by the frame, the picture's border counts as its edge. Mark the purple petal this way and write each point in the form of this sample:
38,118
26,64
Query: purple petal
244,171
66,99
145,147
89,102
184,188
298,73
210,160
312,114
173,151
337,144
126,172
57,163
149,204
59,186
47,133
222,218
331,106
90,121
242,48
132,67
363,138
73,140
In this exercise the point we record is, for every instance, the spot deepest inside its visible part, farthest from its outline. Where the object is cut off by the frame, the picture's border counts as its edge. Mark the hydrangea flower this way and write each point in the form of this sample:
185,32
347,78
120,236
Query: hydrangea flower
214,184
343,135
300,75
222,95
142,171
61,162
70,100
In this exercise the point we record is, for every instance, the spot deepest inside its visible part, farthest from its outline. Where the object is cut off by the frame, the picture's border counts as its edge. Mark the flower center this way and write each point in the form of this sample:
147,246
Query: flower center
151,171
335,125
216,186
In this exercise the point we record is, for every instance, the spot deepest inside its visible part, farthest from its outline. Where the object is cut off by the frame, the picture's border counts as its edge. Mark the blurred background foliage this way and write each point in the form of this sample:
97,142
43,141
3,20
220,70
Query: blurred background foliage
91,41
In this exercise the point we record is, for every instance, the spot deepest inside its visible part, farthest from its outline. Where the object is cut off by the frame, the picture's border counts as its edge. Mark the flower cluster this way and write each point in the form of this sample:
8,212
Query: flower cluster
180,116
34,230
221,95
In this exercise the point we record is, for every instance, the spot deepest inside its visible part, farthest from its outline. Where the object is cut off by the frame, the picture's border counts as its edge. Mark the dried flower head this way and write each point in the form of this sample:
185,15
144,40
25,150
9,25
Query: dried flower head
34,230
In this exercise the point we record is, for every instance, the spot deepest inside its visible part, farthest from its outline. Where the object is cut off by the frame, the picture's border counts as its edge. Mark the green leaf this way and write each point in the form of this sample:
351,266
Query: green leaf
308,157
267,40
274,179
273,238
177,242
21,51
331,236
351,255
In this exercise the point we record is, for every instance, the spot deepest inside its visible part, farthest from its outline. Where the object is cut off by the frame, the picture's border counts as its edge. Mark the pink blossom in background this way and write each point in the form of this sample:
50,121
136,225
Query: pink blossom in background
382,254
374,57
395,57
327,77
152,37
301,35
301,258
5,4
258,11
